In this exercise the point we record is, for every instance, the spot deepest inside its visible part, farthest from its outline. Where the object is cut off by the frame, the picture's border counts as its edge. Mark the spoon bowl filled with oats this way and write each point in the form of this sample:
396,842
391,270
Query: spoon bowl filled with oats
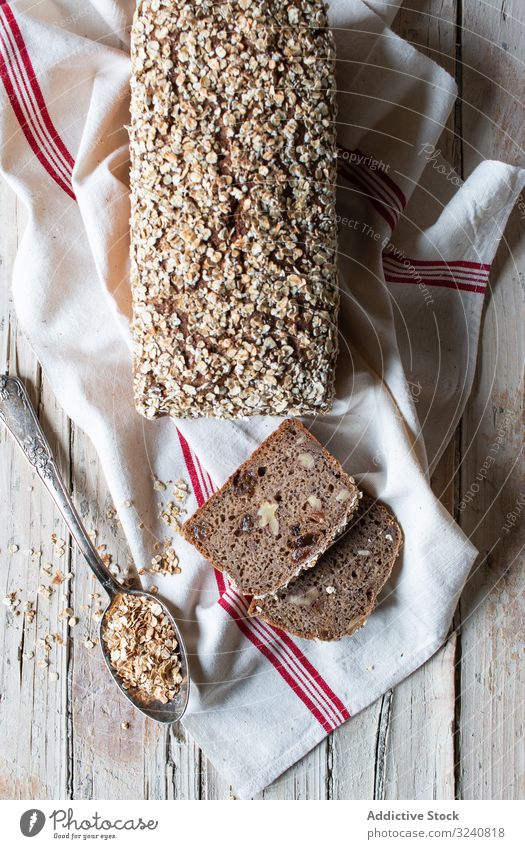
145,654
141,642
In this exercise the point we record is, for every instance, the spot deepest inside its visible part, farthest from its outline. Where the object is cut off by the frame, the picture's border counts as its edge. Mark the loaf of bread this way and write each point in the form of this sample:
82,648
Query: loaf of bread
233,225
337,596
277,513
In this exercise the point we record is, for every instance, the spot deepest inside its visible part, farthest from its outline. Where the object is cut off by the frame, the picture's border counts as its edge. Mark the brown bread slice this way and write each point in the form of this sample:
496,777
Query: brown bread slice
336,597
277,513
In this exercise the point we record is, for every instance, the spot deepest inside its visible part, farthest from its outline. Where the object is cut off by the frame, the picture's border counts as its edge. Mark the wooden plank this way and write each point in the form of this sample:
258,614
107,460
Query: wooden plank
492,716
354,749
33,722
309,778
419,761
431,28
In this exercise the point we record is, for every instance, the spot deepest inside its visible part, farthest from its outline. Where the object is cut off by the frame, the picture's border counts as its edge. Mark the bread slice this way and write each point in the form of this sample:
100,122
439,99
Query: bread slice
336,597
277,513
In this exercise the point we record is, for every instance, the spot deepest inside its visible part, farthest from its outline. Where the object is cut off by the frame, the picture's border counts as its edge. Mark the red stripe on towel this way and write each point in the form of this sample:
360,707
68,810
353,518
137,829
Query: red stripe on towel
462,275
442,263
382,175
377,204
246,628
53,132
237,606
447,284
27,101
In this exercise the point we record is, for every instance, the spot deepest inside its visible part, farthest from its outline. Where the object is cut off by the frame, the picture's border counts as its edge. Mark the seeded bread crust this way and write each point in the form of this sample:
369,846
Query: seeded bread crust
260,558
233,221
336,597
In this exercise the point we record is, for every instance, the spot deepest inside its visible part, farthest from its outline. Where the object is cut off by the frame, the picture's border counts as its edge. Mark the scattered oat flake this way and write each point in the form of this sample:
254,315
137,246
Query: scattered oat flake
53,676
13,548
73,621
166,563
160,486
65,614
59,545
58,578
11,601
171,515
181,491
29,611
124,726
127,503
46,592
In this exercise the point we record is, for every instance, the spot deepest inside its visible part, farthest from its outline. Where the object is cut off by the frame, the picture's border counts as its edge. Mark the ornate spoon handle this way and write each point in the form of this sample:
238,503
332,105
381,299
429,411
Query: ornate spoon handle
18,415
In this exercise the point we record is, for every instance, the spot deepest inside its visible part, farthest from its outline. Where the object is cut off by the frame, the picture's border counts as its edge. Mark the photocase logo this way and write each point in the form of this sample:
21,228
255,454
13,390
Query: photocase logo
32,822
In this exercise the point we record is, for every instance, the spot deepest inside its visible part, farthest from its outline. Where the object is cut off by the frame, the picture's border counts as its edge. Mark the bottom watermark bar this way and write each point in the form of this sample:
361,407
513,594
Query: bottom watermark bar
304,824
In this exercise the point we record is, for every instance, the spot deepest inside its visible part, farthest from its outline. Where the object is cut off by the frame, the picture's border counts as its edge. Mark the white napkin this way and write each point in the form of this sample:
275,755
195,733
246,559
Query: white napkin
415,252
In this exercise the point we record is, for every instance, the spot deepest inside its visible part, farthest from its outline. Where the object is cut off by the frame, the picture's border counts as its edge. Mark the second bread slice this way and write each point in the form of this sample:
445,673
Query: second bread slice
277,513
336,597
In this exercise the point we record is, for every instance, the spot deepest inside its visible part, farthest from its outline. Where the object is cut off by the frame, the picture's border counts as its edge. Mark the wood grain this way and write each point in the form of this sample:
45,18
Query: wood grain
492,608
455,727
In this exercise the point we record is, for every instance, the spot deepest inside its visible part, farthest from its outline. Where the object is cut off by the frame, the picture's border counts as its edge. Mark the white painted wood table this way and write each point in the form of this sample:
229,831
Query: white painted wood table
453,729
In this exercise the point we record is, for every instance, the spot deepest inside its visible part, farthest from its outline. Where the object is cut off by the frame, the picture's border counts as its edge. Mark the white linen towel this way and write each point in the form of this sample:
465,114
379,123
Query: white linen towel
415,252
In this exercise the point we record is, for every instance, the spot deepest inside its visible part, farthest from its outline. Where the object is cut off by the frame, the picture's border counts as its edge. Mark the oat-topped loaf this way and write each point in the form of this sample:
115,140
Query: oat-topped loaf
337,596
277,513
233,226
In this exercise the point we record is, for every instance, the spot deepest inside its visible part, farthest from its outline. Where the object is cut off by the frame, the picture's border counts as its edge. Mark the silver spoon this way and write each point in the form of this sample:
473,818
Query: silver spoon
18,415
